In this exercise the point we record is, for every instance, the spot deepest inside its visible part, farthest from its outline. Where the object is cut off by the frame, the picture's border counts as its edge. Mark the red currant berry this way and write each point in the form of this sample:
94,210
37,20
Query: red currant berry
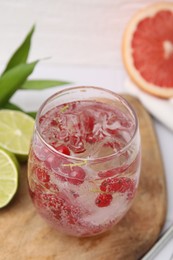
103,200
76,175
42,118
118,184
53,123
42,175
63,149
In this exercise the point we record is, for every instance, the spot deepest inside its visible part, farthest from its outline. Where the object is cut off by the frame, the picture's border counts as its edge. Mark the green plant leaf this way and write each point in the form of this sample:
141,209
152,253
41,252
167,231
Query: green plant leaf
32,114
13,80
12,106
42,84
22,52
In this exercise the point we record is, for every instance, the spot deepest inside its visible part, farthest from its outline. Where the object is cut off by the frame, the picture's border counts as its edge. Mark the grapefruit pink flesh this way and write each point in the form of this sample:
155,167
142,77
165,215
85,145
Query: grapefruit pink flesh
152,49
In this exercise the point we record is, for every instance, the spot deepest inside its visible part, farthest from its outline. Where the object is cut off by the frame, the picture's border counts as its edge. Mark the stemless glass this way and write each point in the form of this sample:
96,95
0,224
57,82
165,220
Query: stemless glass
84,161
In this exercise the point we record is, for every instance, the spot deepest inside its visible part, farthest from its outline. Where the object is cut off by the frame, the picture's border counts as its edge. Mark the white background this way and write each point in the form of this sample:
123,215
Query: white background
73,32
83,40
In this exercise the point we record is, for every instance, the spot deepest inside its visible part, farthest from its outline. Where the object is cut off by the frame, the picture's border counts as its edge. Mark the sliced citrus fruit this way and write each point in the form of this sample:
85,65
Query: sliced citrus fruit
8,177
148,49
16,130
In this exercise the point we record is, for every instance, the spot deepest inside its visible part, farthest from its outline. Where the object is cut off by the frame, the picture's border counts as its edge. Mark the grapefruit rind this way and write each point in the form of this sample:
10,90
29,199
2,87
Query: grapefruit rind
162,92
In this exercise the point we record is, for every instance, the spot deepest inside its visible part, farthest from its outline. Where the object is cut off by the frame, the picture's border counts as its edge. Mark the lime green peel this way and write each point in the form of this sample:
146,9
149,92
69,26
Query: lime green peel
16,130
8,177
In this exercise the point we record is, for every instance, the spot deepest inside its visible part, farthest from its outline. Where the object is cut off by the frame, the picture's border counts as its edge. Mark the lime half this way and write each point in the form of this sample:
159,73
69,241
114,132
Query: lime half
16,130
8,177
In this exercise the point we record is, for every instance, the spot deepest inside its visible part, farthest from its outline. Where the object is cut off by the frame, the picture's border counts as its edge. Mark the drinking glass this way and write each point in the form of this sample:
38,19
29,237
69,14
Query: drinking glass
84,160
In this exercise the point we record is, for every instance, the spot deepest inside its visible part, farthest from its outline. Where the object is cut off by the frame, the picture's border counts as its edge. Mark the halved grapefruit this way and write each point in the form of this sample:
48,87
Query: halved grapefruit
148,49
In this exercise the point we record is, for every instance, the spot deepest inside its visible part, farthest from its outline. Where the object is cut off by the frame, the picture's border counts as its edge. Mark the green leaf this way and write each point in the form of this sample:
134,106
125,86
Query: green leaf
15,107
32,114
13,79
21,54
42,84
12,106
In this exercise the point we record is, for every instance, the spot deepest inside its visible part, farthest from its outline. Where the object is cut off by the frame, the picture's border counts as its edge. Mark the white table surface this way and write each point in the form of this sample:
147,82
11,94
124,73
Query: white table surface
83,39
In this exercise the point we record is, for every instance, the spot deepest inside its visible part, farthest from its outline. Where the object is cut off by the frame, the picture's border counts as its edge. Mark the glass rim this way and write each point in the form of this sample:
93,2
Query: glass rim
88,159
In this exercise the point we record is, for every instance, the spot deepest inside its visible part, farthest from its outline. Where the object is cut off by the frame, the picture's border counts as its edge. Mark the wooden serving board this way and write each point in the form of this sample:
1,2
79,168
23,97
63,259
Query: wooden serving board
24,235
